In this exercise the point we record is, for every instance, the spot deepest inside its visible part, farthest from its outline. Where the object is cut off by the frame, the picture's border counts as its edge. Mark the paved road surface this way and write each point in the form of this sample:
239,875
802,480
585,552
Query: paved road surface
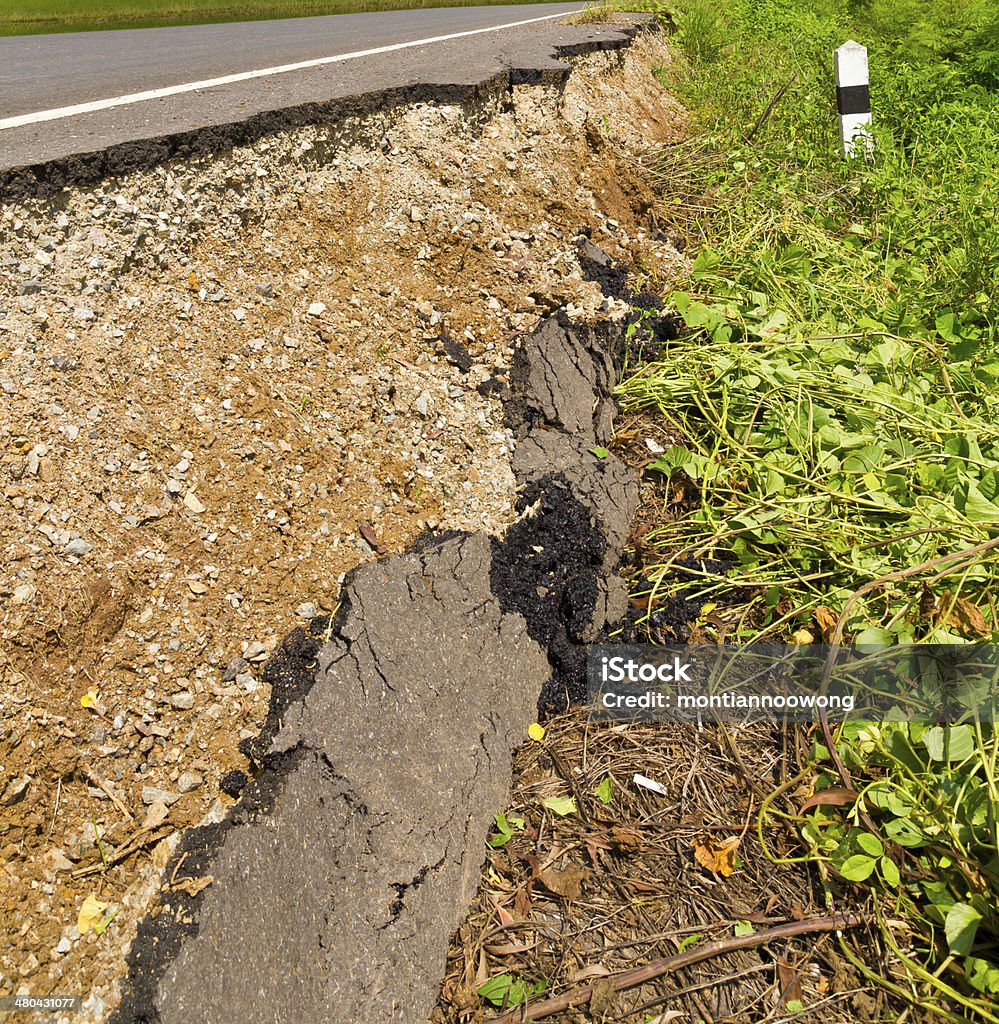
40,74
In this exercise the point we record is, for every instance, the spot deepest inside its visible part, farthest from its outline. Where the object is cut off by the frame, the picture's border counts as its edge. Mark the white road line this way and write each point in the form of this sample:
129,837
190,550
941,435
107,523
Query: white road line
245,76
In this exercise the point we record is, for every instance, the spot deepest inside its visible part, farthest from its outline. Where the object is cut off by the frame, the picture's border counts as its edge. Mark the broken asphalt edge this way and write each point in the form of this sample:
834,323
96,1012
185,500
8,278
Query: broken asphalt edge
334,885
43,180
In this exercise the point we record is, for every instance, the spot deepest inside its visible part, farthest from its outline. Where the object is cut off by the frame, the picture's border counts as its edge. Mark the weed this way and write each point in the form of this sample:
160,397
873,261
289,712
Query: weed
836,390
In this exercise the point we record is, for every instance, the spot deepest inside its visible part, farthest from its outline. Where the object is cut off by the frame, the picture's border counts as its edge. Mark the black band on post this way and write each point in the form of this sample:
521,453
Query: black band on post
853,99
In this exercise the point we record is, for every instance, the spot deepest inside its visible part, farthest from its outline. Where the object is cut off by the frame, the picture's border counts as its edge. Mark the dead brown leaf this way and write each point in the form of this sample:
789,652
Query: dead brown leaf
505,917
603,1000
625,840
790,987
508,948
826,619
522,903
716,855
368,533
567,883
961,615
593,971
594,845
835,796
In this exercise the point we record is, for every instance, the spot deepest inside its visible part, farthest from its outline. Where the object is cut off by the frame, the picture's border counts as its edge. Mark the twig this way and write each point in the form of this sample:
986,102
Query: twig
110,795
657,968
55,810
765,116
142,838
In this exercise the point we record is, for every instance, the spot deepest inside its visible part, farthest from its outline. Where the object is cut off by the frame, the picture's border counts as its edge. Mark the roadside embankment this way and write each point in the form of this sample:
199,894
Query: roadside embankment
228,382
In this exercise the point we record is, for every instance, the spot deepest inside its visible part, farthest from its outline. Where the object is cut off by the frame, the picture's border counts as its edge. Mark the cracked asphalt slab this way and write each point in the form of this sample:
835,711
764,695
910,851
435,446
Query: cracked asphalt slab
88,146
59,69
335,890
339,877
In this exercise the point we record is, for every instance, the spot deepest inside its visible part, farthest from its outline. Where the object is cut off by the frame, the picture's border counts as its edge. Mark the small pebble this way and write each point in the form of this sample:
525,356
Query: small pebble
234,668
158,795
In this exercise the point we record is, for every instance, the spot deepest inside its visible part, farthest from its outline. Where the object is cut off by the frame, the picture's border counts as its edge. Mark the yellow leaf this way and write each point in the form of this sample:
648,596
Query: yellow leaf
802,636
536,732
89,699
716,856
90,914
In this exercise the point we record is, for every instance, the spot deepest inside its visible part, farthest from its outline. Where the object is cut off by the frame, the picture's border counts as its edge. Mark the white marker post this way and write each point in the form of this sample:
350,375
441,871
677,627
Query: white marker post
853,99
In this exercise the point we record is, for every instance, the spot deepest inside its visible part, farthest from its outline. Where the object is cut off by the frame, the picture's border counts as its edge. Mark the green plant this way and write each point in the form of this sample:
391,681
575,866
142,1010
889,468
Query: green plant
932,792
507,990
701,31
836,399
505,829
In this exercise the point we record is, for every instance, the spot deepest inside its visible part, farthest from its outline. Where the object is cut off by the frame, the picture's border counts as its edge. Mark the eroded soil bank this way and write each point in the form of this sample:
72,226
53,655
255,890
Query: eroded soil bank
225,384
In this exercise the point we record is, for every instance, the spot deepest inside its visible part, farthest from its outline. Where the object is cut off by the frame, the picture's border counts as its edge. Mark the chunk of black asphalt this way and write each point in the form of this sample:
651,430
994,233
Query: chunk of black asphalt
339,883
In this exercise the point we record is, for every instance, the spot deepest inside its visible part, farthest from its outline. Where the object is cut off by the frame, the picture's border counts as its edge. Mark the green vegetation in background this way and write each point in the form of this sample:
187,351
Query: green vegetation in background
837,398
28,17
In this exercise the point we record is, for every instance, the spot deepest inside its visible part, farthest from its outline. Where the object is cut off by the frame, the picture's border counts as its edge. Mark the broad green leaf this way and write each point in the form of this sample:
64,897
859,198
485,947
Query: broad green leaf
504,832
600,453
977,507
506,990
954,743
561,805
871,845
889,871
903,832
947,327
874,638
680,458
707,259
858,867
982,974
605,791
743,928
960,926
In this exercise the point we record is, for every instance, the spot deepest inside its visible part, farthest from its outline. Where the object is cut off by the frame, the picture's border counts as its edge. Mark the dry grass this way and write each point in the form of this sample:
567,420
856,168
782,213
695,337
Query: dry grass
612,886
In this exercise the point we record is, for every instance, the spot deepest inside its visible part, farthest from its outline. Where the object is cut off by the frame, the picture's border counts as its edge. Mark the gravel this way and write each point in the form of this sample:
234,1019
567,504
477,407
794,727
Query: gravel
214,374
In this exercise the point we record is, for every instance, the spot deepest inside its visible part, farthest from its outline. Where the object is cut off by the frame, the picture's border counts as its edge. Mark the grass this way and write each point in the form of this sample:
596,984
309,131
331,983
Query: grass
30,17
835,396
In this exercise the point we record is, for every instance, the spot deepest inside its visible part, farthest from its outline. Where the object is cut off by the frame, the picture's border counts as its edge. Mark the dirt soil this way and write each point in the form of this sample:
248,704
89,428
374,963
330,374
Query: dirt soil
224,384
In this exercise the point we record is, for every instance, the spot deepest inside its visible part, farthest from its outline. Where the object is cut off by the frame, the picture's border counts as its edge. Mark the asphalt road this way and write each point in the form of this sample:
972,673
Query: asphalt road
42,73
